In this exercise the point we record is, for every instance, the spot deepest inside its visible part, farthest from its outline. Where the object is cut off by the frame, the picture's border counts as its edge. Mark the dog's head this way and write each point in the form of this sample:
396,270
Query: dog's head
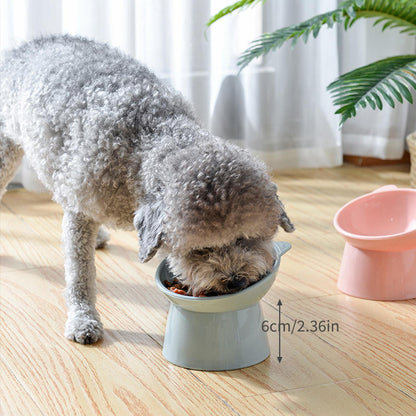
216,219
223,270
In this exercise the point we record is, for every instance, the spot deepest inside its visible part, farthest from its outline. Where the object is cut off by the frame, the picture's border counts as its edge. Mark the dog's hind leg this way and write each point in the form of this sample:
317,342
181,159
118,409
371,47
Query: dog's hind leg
11,156
79,240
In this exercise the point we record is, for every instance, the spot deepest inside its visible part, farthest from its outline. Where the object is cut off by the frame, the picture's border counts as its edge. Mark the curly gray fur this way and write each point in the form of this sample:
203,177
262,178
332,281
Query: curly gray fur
117,146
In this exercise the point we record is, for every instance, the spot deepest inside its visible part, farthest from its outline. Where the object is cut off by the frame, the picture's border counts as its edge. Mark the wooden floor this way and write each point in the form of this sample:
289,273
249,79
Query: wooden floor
366,367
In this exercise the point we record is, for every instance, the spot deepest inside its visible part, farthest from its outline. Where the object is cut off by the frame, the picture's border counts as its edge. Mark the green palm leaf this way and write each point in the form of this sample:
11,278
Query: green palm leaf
384,80
241,4
271,41
398,13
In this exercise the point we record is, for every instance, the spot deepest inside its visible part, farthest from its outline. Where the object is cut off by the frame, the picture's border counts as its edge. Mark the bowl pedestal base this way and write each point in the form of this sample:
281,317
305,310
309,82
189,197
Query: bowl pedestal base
378,275
215,341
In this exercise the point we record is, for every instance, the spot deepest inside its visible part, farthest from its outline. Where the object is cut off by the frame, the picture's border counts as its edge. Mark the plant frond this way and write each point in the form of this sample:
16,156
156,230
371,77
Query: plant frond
241,4
271,41
384,80
392,14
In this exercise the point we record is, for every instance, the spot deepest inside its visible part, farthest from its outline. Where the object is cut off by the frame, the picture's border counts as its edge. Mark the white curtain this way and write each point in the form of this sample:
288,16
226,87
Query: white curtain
278,106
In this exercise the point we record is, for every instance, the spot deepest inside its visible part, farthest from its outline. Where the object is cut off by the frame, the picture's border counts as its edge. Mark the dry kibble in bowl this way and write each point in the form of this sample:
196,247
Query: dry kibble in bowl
177,287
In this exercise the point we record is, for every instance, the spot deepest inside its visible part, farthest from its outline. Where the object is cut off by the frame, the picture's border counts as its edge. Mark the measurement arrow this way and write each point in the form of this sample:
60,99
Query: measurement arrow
279,358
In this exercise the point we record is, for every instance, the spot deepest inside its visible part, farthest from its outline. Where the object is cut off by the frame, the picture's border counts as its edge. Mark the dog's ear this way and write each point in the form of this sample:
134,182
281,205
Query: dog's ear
148,221
284,220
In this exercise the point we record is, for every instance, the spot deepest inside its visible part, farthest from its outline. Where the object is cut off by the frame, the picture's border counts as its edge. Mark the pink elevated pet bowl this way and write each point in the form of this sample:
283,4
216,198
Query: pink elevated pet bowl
379,260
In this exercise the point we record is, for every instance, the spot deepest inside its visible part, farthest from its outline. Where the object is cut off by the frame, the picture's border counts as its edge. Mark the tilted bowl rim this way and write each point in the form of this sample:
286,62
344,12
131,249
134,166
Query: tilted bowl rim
368,237
280,249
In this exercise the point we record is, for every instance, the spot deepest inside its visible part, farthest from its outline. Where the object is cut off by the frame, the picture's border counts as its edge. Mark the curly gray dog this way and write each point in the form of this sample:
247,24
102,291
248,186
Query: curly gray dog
116,146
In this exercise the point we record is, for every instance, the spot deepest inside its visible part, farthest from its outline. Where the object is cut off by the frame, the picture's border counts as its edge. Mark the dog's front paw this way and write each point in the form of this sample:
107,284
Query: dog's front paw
84,329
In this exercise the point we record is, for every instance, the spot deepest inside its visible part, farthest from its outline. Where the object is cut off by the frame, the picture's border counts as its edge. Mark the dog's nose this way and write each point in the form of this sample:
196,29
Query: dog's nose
235,283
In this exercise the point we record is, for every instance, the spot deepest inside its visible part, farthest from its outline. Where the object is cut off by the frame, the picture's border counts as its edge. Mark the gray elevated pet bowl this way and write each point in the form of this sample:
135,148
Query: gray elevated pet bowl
219,332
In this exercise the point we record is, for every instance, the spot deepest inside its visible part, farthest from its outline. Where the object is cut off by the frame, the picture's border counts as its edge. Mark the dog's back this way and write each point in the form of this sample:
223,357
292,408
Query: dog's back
83,113
62,76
